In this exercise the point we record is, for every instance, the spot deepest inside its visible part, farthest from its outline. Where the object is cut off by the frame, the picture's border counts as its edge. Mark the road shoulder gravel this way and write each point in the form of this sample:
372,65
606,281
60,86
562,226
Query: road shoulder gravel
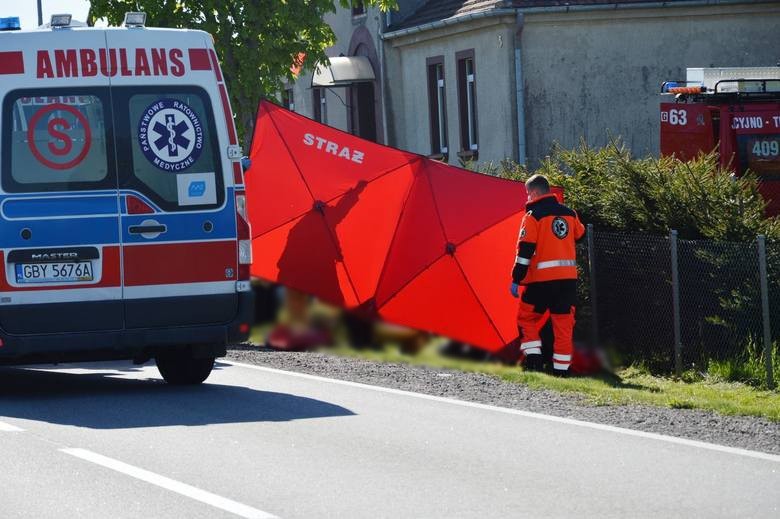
744,432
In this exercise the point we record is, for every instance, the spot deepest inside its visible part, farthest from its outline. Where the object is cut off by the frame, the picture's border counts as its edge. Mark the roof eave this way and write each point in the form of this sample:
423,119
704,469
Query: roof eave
438,24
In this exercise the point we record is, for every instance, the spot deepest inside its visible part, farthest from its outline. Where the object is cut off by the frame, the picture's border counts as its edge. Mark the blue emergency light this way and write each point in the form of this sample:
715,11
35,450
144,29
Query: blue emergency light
10,24
667,85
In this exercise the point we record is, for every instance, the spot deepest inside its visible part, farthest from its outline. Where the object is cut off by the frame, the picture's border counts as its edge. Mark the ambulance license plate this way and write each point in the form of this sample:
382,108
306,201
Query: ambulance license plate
53,272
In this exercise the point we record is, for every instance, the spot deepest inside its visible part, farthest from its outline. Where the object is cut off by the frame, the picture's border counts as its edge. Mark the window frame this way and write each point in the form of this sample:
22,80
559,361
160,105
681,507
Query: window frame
288,98
437,106
124,146
358,8
7,180
467,104
320,105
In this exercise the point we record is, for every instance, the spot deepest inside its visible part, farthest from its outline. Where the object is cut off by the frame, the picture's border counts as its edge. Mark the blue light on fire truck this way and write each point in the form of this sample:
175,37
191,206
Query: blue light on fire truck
668,85
10,24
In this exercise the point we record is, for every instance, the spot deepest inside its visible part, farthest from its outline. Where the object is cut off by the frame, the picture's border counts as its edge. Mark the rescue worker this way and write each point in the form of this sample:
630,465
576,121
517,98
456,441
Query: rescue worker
546,267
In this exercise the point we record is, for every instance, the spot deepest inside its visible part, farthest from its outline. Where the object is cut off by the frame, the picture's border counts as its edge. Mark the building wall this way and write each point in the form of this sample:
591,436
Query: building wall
344,26
595,74
408,112
588,74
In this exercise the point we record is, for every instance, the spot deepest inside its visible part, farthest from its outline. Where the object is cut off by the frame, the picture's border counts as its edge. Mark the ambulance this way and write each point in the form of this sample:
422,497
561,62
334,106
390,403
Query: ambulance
123,225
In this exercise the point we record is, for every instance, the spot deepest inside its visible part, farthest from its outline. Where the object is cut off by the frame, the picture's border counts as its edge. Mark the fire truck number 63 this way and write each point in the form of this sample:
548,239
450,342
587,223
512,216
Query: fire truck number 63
675,117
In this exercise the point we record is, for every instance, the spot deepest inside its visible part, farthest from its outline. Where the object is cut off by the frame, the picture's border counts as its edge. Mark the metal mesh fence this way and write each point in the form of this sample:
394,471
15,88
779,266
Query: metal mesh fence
719,287
584,323
773,274
720,300
633,273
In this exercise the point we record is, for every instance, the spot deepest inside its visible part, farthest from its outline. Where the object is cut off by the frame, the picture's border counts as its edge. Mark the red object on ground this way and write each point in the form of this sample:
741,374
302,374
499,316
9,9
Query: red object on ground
285,338
399,236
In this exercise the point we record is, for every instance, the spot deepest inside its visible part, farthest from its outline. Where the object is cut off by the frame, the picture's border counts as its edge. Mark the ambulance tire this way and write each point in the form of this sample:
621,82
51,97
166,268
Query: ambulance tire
181,368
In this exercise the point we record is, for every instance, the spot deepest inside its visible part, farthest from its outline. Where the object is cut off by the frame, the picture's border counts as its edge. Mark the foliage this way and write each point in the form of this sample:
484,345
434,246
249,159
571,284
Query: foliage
748,368
613,190
257,40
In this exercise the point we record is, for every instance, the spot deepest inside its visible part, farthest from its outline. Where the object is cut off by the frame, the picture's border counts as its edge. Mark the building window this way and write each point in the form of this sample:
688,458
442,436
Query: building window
288,99
358,8
467,103
437,106
320,107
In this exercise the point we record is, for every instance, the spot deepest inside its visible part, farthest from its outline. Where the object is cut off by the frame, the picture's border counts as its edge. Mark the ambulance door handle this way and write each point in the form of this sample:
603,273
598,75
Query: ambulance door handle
147,229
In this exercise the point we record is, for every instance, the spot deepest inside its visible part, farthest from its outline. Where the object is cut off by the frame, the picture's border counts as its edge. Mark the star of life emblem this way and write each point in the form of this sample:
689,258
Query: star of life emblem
170,135
560,228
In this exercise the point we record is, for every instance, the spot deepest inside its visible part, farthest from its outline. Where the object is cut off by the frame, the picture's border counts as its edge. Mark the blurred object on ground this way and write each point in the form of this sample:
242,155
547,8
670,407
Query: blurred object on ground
297,330
305,323
409,341
287,338
589,360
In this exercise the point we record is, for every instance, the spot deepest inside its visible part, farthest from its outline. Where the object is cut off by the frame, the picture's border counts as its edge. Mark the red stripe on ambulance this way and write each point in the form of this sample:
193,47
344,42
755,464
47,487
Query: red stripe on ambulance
231,125
215,62
238,174
12,62
172,263
228,114
199,59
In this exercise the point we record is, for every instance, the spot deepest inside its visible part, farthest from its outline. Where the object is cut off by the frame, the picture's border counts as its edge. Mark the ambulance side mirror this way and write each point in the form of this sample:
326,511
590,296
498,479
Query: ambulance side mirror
246,163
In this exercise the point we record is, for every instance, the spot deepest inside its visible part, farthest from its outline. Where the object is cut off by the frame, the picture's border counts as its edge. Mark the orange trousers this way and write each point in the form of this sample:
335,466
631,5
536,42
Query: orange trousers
538,302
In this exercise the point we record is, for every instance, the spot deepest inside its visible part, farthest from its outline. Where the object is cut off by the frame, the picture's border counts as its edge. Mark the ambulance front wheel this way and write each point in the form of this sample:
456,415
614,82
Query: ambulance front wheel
181,368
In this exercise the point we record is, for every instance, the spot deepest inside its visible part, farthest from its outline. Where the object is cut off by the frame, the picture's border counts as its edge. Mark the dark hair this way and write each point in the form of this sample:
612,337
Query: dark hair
538,183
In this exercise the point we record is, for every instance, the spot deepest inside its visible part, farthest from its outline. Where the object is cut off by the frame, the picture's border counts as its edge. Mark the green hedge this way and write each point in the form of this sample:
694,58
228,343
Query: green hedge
613,190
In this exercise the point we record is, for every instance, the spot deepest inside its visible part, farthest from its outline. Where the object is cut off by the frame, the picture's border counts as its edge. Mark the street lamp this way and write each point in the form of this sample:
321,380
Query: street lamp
40,14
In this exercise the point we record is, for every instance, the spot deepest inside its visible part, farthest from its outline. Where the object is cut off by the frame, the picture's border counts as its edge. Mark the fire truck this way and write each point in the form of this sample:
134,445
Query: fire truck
733,111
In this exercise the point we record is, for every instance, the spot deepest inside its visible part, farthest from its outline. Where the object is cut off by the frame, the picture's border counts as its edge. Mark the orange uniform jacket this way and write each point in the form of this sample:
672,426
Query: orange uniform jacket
545,248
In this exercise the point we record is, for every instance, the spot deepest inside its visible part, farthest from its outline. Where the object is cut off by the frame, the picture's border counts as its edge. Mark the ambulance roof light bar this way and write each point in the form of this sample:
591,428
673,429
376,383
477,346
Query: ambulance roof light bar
60,20
10,24
137,19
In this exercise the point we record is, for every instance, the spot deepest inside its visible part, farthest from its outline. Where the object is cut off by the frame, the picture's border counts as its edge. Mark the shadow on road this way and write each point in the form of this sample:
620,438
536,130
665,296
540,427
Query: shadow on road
104,400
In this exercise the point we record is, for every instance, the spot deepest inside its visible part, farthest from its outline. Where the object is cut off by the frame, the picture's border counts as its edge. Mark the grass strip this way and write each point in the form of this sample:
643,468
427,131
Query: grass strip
632,385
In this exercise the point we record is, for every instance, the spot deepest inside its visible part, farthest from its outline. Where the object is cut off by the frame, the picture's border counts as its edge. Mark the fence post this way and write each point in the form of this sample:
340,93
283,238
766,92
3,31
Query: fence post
762,270
593,293
676,305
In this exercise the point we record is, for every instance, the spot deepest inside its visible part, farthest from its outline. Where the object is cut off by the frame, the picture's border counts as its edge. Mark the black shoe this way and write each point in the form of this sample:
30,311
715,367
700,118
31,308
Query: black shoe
533,362
562,373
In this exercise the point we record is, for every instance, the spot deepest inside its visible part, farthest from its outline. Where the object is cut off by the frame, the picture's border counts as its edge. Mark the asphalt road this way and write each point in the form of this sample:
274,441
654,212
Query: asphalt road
115,441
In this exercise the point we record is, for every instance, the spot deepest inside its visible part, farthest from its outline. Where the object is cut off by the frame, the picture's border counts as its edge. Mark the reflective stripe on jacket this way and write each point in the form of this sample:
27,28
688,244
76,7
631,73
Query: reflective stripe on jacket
546,245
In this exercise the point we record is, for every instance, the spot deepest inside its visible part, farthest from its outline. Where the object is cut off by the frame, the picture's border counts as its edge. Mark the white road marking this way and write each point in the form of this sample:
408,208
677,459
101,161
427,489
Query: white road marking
197,494
528,414
7,427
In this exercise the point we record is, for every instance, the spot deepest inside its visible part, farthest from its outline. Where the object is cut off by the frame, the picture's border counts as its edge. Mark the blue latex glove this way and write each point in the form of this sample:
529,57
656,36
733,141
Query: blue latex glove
515,289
